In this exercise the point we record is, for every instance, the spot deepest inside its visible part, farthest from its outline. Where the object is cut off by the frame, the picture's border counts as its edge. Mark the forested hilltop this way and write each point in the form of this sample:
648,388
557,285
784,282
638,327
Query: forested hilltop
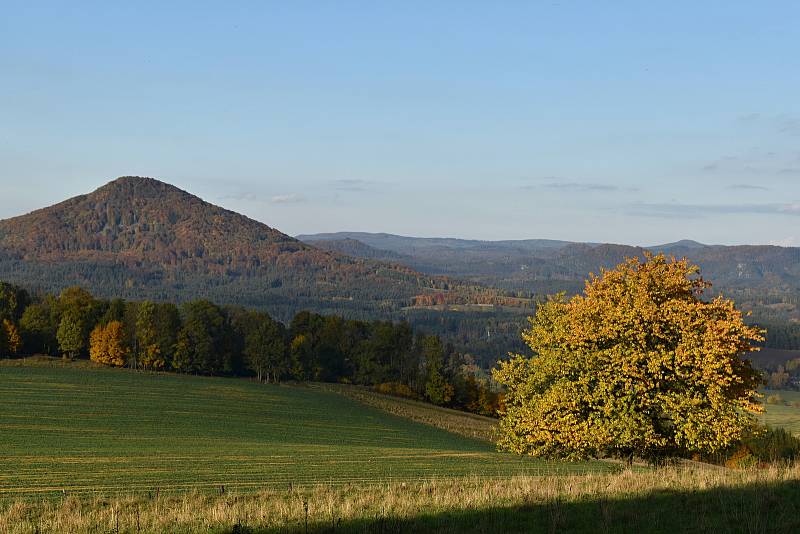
201,337
141,238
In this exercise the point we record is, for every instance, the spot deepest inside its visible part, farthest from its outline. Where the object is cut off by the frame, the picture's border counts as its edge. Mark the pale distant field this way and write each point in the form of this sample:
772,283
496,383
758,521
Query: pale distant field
783,415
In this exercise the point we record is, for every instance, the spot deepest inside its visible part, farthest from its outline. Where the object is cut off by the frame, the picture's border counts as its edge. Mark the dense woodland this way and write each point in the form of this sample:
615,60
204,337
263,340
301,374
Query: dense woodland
201,337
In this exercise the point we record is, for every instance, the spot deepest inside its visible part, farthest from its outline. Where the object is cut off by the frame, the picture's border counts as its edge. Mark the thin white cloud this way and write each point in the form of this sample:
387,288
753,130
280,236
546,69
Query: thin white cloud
785,123
355,184
287,199
251,197
697,211
558,184
748,187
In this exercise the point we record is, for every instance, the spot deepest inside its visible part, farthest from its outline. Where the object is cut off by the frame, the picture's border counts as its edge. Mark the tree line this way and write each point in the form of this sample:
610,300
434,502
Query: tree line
201,337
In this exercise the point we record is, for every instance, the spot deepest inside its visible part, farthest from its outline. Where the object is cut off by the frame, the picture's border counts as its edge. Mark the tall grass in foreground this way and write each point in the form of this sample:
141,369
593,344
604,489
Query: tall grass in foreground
665,500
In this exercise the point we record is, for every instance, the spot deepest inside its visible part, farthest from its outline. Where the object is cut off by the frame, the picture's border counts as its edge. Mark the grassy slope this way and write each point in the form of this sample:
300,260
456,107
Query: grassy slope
455,421
110,430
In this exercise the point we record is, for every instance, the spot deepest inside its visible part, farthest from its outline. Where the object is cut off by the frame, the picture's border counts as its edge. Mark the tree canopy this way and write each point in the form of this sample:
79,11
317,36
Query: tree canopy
639,364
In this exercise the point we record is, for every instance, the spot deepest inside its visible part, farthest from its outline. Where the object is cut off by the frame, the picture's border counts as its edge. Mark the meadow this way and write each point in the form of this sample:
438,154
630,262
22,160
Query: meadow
71,429
650,501
88,449
785,414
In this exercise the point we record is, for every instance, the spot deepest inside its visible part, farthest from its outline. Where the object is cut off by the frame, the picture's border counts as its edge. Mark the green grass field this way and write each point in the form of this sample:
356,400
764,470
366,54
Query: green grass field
783,415
81,429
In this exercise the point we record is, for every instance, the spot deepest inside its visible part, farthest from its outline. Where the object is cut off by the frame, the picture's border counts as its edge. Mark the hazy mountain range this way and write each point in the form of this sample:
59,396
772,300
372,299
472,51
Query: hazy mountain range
534,263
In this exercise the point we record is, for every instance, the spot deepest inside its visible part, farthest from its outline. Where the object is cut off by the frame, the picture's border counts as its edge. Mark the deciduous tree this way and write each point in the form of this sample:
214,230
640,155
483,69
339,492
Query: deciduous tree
38,328
639,364
10,340
70,335
149,351
106,344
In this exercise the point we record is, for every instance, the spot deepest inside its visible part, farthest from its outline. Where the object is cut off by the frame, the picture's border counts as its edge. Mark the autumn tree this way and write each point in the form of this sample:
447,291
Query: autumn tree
639,364
106,344
10,340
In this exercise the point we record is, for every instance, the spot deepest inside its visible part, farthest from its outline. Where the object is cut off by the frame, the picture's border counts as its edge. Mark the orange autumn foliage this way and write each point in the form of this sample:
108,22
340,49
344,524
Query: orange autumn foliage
106,344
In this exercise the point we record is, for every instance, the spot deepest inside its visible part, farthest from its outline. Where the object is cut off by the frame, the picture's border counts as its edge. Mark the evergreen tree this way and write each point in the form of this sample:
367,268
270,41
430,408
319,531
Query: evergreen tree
437,389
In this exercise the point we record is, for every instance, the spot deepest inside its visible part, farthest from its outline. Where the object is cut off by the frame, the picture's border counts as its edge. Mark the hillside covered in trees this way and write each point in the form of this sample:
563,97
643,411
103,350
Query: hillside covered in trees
142,238
201,337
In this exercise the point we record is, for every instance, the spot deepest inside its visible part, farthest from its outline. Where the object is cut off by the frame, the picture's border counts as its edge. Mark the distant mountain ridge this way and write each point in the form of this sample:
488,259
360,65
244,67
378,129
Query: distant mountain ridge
357,249
545,258
763,277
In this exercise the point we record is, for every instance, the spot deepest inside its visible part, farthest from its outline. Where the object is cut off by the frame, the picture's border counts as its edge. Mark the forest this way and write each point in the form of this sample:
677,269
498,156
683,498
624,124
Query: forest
201,337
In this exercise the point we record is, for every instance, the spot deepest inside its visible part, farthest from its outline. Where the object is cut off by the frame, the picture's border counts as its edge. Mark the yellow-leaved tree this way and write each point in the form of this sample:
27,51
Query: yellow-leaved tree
106,344
638,365
10,340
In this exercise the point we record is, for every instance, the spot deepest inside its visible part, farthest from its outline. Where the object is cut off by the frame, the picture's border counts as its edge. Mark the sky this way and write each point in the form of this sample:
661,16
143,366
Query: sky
626,122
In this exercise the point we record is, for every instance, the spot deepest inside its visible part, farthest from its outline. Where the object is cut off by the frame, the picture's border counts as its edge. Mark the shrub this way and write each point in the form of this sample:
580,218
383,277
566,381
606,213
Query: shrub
774,445
742,458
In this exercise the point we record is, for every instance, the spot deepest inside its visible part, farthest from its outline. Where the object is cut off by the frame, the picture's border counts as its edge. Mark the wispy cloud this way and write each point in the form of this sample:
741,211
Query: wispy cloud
785,123
754,162
698,211
354,184
290,198
251,197
557,184
788,124
287,199
748,187
579,187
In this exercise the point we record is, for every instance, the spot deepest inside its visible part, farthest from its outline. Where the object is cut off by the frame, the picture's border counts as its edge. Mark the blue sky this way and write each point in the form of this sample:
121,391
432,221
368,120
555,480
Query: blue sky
631,122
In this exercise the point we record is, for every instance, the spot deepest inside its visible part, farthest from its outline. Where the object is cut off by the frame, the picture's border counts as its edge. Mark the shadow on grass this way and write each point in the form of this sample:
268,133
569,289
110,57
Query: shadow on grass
758,508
